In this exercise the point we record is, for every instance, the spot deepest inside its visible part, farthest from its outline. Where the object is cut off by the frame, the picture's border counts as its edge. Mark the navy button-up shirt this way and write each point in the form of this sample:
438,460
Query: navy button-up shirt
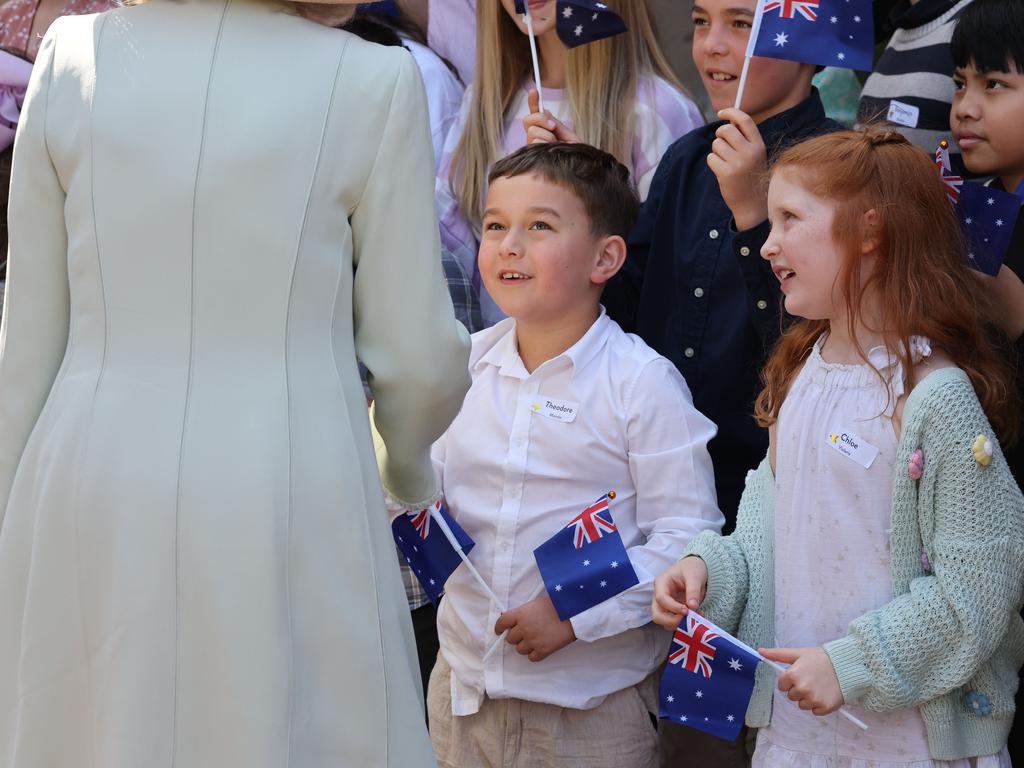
699,293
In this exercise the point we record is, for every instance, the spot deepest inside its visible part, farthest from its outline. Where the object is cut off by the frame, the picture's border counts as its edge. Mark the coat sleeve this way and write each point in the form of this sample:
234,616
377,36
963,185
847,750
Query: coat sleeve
406,333
34,331
932,638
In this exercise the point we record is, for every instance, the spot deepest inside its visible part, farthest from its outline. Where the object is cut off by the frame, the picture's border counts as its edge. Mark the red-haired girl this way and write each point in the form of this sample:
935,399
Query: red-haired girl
880,545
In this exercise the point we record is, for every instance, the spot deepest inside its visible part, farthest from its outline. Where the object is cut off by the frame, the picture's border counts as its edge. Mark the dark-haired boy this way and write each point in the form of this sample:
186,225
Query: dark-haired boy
564,407
986,119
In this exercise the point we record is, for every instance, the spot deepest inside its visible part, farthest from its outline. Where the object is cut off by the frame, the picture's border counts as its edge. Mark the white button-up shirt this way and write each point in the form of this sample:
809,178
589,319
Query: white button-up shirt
513,477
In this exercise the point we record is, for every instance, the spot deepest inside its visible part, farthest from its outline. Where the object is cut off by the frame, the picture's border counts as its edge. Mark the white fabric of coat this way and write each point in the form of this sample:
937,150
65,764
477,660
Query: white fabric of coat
216,206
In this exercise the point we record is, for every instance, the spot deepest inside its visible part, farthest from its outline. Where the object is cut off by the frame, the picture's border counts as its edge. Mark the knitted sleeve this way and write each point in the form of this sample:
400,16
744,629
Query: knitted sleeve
943,625
729,558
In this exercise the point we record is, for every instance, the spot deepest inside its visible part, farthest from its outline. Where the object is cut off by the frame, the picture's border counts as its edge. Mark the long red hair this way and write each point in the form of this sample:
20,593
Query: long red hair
920,273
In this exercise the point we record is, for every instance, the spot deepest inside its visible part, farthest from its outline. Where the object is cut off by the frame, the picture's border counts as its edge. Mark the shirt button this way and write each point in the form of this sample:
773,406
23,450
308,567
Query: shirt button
688,351
698,292
713,234
744,251
762,304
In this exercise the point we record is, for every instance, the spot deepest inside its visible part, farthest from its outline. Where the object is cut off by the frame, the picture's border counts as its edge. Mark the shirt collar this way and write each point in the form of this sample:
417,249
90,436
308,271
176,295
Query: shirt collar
504,354
794,124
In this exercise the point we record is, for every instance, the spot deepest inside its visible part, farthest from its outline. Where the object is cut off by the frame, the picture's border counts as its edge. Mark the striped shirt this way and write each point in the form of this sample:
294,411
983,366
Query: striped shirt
912,85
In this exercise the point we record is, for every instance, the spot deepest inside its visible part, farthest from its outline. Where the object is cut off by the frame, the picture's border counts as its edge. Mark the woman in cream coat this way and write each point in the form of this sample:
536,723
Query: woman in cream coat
217,205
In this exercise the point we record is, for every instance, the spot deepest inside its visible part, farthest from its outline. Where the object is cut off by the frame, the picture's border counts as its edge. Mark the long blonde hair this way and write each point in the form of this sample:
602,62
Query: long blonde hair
602,79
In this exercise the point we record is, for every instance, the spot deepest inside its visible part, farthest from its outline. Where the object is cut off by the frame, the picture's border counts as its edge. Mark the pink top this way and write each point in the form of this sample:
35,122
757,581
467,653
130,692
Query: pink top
16,18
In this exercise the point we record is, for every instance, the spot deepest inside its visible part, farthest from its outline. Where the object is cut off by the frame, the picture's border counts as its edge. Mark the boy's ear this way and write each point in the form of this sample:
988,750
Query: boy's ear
610,258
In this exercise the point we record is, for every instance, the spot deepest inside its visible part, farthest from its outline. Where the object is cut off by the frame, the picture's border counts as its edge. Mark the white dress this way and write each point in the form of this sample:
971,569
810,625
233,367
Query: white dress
216,205
835,451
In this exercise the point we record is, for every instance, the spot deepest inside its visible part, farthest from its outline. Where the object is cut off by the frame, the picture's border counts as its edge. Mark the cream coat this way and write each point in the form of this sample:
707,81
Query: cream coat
216,206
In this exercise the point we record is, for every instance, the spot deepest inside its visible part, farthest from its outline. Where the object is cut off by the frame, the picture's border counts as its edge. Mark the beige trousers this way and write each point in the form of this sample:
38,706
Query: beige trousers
511,733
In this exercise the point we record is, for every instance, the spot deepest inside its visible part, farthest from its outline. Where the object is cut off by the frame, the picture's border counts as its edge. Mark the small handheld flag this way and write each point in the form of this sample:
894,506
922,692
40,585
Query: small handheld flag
427,549
586,562
830,33
586,21
708,679
988,217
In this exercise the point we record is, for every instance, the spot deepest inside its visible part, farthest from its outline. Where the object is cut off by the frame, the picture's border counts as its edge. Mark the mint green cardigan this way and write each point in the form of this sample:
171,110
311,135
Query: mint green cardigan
951,640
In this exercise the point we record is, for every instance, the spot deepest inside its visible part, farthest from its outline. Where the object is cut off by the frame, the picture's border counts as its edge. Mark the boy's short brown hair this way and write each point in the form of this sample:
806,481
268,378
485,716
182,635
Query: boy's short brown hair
600,181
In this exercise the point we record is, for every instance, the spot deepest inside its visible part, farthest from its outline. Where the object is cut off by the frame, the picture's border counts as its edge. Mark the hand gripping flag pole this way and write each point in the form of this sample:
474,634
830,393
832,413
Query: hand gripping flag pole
457,546
523,8
501,638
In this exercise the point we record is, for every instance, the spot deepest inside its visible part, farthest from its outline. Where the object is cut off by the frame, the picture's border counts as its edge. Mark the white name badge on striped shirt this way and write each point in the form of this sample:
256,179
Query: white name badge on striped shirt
903,114
559,410
852,447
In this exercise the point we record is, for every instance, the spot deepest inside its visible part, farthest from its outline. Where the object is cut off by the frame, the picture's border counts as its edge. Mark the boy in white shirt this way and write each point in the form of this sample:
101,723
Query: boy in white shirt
614,415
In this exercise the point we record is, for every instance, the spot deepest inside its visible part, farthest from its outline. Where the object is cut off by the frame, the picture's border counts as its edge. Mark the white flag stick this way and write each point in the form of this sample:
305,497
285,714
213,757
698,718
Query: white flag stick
780,669
755,30
501,638
533,53
436,516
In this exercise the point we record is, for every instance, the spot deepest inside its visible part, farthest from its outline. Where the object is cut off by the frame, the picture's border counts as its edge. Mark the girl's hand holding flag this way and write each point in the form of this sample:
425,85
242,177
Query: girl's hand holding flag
544,128
810,680
679,590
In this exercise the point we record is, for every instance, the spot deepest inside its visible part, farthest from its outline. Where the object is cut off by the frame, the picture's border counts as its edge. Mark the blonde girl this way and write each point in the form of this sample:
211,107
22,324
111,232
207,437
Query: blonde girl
879,547
618,94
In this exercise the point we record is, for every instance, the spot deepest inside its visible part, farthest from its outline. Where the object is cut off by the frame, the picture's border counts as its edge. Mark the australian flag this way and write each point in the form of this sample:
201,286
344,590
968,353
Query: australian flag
988,217
585,21
708,679
585,563
427,551
832,33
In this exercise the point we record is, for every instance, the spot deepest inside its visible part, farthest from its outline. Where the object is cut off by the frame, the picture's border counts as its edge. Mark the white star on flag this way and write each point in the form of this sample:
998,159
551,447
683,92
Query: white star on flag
999,222
567,13
578,30
615,564
586,562
968,220
735,664
432,582
834,20
558,587
594,17
856,18
781,39
700,694
670,698
730,718
683,718
841,56
604,583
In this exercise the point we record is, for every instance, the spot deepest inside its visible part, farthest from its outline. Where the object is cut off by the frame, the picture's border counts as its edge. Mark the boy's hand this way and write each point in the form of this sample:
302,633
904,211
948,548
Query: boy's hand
811,680
535,629
739,159
543,127
679,589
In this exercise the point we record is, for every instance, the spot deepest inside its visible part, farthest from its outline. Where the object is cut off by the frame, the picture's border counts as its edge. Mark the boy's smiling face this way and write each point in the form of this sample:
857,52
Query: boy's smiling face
986,119
721,29
539,259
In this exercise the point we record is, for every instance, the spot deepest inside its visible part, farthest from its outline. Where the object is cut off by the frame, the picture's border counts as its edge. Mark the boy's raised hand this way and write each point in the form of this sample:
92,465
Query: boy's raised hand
810,680
543,127
679,589
738,158
535,629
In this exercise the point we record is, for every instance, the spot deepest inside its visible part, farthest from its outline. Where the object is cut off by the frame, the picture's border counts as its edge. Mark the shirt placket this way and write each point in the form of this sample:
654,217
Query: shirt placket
508,519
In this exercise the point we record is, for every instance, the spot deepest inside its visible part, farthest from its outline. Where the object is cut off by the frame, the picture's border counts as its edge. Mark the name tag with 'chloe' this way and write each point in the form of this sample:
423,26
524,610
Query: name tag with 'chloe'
559,410
852,447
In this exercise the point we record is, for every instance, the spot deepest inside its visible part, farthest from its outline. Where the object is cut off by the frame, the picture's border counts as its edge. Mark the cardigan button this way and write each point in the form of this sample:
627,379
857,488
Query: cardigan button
978,703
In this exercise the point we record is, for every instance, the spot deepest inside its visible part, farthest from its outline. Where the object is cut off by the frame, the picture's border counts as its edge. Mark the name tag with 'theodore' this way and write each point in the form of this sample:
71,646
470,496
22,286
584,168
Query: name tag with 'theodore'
852,447
559,410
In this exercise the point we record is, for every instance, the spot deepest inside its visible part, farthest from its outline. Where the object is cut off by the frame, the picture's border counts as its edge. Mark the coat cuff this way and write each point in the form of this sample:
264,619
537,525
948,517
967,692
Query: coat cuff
854,676
706,547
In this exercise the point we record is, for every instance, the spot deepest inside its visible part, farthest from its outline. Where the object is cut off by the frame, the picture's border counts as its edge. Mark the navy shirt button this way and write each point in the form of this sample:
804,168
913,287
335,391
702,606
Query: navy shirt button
688,351
713,234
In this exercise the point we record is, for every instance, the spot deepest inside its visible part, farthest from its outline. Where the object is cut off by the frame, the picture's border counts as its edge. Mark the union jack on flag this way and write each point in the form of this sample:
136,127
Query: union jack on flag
590,525
421,520
788,8
695,650
951,180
